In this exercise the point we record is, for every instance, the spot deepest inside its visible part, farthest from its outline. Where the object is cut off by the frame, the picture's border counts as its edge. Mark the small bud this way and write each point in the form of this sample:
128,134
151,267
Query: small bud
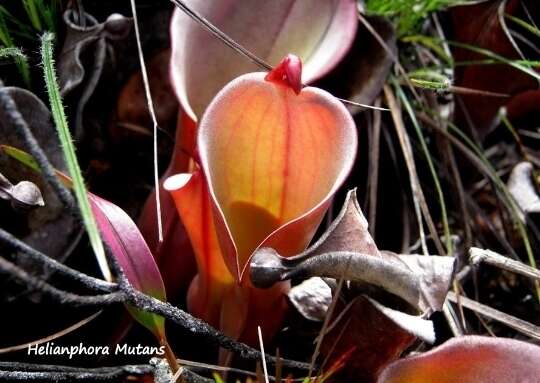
23,196
26,195
266,268
118,26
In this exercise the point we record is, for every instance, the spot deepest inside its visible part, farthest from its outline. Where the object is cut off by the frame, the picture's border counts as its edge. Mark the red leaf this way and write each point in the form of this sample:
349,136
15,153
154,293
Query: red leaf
133,255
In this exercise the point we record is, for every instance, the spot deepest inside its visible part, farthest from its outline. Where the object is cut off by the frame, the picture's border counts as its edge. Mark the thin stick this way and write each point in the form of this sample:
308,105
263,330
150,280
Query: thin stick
325,325
129,295
215,367
454,170
154,119
58,295
461,316
431,167
170,357
463,90
451,319
460,293
221,35
374,169
418,194
396,116
277,377
517,324
354,103
477,256
28,252
261,344
177,374
406,228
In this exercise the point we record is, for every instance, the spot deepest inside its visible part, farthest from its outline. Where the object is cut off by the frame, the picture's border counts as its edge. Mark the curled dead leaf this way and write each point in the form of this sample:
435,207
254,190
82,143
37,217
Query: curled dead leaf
347,251
378,323
522,189
85,41
82,37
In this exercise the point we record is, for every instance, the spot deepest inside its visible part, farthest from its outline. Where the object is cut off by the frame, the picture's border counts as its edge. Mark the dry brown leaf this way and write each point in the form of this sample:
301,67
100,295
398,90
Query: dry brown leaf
521,187
375,337
347,251
311,298
379,325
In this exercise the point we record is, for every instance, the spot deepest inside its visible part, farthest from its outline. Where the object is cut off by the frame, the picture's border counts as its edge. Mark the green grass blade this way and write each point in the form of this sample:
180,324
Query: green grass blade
531,28
49,17
431,43
19,59
18,27
11,52
32,11
429,79
531,63
5,36
47,13
524,67
407,14
69,152
217,378
24,69
7,41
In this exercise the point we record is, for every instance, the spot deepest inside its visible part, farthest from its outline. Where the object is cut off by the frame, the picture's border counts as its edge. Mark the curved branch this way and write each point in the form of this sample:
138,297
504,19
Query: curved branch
127,294
16,372
40,258
58,295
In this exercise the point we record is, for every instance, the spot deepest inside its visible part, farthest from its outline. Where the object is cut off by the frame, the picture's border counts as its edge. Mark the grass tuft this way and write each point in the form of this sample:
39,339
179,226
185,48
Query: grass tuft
407,14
